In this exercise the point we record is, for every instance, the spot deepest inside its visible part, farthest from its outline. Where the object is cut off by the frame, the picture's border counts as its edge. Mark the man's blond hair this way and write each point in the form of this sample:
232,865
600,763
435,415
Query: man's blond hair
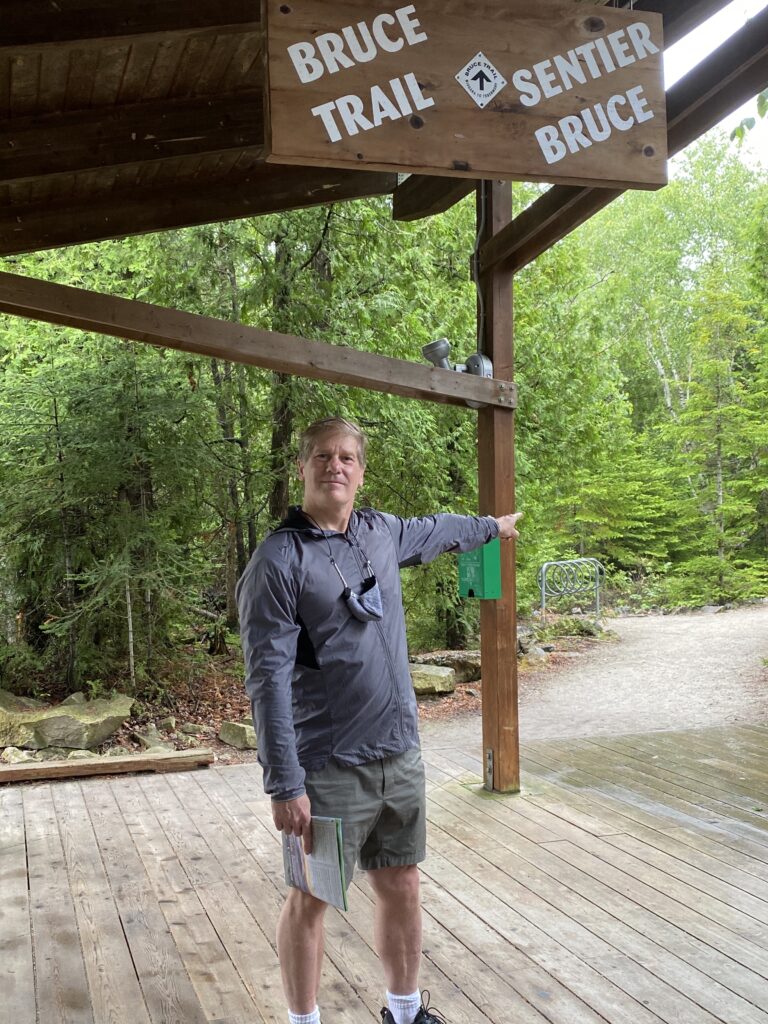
331,425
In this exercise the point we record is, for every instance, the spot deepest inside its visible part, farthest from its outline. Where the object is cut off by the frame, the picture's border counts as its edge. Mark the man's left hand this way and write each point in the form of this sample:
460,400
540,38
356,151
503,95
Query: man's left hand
507,525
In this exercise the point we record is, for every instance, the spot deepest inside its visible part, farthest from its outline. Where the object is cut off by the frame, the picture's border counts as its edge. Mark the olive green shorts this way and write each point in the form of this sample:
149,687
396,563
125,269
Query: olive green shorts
382,806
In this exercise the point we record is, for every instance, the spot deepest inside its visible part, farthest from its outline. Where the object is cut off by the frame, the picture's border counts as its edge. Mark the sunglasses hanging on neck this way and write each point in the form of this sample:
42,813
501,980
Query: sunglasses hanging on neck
365,606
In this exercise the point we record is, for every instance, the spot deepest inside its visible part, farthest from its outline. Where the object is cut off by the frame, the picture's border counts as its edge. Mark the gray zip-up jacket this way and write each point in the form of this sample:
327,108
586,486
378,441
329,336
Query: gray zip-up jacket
323,684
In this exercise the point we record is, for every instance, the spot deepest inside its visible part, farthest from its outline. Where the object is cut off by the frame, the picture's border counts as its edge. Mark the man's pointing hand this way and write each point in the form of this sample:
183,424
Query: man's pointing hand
507,525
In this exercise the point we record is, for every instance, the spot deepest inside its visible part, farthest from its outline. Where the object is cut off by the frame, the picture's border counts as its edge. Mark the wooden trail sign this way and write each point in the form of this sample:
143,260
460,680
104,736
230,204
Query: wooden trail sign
552,91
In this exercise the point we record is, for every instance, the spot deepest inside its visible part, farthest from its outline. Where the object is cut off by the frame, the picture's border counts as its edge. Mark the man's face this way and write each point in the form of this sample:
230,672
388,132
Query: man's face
332,473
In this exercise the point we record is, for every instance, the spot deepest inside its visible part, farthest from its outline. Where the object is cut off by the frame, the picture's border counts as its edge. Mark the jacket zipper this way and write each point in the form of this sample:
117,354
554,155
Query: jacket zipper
387,652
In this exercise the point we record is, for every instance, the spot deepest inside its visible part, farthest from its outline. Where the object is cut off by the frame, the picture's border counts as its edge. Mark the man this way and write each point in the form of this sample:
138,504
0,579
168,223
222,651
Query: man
323,631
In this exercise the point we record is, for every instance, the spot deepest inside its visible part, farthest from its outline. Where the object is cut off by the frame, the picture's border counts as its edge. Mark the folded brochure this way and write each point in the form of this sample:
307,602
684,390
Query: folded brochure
320,873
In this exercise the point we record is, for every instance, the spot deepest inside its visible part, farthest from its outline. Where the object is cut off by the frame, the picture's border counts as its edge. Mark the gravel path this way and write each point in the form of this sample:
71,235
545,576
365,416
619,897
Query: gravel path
667,672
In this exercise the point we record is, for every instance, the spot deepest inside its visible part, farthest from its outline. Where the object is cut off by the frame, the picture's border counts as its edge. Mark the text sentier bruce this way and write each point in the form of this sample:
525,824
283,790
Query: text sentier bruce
331,52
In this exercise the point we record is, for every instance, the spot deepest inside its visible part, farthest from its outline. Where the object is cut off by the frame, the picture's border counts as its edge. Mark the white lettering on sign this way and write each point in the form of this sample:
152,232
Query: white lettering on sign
579,131
549,78
330,52
356,117
363,43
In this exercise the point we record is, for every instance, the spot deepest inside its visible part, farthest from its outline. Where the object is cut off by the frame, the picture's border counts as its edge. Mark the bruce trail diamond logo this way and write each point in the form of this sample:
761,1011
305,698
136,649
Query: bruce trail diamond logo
481,80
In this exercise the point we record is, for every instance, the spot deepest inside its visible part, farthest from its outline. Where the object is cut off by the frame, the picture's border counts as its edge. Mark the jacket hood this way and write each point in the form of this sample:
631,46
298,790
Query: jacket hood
297,521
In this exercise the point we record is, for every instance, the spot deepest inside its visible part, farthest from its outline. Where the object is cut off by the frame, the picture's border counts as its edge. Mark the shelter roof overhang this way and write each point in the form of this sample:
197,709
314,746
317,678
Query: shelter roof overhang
118,119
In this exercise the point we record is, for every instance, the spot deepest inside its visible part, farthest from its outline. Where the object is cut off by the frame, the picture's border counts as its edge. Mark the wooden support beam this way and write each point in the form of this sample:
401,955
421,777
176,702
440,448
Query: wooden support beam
39,146
422,195
269,188
721,83
205,336
173,761
496,468
41,22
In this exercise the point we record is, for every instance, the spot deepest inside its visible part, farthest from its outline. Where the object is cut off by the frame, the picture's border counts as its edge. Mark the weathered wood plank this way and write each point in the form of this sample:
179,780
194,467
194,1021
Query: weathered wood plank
681,805
17,982
687,789
24,84
173,761
197,935
483,891
687,844
39,22
32,223
579,901
61,983
113,988
687,773
248,873
675,982
55,144
167,989
678,959
81,78
140,321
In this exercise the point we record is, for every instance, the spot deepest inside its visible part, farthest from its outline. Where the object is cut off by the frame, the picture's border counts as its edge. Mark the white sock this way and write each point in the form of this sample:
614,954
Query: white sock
304,1018
404,1008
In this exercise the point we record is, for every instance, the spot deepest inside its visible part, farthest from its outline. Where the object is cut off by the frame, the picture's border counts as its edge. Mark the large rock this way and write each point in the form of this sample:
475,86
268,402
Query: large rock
149,737
12,755
432,679
238,734
32,725
465,664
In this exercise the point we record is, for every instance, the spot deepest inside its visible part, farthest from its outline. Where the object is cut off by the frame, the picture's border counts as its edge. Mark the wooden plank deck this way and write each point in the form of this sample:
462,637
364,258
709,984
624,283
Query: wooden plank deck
628,884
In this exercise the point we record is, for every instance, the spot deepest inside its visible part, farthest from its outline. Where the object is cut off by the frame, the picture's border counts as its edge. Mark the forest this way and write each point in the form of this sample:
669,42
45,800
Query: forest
135,482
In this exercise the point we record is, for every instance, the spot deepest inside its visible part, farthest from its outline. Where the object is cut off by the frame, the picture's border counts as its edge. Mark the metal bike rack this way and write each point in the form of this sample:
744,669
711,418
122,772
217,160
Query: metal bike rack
568,578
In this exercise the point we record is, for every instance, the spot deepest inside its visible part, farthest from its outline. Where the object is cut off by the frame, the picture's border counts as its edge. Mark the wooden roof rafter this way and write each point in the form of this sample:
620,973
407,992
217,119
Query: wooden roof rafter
118,119
34,23
272,189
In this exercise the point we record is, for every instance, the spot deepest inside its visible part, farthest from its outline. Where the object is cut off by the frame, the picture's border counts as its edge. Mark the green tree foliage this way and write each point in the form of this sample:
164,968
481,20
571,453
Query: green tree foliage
136,482
691,349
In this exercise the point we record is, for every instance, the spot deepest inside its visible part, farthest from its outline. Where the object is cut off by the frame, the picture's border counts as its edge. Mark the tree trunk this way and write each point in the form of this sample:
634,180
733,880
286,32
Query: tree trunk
282,436
70,672
245,456
129,614
235,549
282,390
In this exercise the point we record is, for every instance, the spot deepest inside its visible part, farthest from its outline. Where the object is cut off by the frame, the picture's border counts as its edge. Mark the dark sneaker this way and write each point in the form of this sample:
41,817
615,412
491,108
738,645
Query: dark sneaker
427,1014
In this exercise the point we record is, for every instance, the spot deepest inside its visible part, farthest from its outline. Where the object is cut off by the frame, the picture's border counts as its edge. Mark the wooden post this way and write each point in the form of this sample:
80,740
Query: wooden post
496,469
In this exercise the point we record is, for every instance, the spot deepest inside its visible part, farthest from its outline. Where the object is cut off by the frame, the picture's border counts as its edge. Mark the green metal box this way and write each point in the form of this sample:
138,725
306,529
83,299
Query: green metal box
480,572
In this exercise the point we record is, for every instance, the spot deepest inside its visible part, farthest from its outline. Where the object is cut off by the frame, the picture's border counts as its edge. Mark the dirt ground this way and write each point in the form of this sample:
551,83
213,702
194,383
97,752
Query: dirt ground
664,672
654,672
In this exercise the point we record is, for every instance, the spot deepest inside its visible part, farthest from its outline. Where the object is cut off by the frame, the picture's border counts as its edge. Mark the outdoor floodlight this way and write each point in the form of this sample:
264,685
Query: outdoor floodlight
438,352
